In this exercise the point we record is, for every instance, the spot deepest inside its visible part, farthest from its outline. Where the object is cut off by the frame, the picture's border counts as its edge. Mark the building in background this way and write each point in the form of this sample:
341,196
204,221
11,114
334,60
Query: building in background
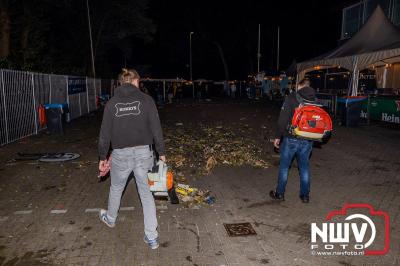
356,15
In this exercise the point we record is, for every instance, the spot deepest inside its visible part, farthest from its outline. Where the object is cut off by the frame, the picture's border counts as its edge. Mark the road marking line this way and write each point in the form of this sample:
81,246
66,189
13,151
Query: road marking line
93,210
58,211
126,208
23,212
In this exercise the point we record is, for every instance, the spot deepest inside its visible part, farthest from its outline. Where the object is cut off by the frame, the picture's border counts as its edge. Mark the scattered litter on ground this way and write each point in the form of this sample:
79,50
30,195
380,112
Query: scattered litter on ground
193,197
197,149
210,200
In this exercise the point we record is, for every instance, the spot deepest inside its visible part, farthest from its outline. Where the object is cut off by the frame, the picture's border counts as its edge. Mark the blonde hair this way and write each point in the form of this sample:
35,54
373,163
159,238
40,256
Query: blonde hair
128,75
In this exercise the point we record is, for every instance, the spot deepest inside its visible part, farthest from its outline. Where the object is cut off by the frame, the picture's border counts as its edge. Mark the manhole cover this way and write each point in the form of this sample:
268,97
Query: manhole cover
239,229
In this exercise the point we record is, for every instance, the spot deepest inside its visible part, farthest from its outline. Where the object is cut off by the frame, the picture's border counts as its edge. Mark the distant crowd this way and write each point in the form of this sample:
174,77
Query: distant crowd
273,88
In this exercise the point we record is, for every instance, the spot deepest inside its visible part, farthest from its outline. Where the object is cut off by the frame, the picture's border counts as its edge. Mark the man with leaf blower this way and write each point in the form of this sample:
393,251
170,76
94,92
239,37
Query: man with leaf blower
301,122
130,125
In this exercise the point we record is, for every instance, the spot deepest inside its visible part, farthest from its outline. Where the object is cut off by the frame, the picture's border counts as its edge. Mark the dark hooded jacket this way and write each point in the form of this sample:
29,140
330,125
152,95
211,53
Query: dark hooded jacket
130,119
305,94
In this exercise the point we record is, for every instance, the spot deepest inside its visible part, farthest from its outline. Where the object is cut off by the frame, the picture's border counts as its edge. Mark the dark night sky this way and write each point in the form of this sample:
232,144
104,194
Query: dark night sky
308,28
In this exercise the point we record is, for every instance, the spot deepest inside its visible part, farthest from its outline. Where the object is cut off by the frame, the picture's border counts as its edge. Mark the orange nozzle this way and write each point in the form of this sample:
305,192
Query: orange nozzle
170,180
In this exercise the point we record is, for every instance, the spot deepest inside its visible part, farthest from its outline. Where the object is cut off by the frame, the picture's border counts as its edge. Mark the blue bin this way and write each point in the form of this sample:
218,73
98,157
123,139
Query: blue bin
350,110
56,117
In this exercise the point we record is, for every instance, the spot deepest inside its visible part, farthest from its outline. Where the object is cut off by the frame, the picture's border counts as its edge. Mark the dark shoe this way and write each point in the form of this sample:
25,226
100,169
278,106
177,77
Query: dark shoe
305,199
276,196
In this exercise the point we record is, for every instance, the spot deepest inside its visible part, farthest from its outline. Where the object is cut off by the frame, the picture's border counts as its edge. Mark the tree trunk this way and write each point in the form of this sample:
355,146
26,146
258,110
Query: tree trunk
4,30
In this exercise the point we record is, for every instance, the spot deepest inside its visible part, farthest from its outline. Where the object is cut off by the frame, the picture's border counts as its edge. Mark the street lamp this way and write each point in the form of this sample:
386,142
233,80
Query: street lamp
190,55
190,61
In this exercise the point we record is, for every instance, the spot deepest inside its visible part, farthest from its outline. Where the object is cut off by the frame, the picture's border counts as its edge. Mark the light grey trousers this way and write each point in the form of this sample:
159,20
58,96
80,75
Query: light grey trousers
139,160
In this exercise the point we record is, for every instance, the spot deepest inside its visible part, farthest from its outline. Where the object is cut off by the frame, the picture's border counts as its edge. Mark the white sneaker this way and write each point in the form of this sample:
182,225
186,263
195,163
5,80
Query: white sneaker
153,244
104,218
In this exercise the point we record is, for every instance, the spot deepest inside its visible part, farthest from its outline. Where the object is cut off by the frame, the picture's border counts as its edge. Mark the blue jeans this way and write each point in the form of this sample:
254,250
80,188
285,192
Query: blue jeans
139,160
301,149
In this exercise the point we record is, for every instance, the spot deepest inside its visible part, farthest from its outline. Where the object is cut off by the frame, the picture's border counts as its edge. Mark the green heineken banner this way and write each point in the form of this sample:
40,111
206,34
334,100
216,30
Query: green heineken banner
386,109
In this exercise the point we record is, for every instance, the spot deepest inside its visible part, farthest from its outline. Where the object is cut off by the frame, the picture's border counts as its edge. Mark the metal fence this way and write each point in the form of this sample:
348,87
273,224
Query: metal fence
329,101
21,94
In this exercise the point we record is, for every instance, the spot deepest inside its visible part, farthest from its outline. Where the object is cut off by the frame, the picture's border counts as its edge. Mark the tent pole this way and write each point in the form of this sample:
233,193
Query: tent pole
354,84
258,49
384,77
354,91
277,52
368,110
357,80
325,74
164,90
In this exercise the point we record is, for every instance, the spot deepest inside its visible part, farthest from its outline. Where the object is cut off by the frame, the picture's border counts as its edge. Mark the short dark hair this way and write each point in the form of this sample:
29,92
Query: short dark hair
304,82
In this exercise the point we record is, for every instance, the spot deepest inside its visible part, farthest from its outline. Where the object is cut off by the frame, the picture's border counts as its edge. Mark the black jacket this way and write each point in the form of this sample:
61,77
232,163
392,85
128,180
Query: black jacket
306,94
130,119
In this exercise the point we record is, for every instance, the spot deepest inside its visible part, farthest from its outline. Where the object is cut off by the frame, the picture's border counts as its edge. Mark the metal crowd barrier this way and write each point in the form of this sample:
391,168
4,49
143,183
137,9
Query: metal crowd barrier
21,94
329,101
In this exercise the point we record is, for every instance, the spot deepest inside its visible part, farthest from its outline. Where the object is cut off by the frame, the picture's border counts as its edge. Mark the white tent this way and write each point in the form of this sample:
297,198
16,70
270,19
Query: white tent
376,44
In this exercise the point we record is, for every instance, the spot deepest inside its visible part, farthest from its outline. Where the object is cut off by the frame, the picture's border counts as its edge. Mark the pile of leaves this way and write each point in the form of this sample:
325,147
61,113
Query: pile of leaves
197,149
